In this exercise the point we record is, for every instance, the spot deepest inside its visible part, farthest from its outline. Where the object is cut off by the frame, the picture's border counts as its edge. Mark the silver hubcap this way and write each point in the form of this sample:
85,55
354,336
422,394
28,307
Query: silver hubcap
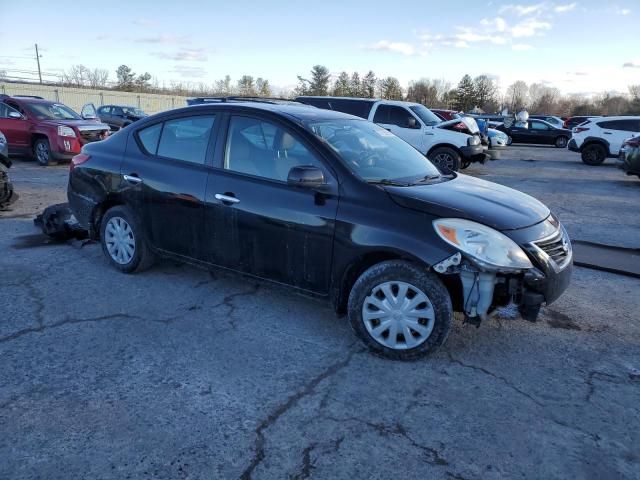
398,315
444,160
42,152
121,244
562,142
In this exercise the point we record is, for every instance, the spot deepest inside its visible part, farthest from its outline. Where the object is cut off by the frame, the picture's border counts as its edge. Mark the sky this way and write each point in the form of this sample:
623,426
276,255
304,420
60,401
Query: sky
577,46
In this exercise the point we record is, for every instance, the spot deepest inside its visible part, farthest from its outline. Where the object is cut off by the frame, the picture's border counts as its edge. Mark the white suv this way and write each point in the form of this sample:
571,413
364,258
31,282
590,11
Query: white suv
440,141
600,138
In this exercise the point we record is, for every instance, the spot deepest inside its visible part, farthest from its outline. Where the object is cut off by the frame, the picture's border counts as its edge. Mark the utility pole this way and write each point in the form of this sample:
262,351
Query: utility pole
38,60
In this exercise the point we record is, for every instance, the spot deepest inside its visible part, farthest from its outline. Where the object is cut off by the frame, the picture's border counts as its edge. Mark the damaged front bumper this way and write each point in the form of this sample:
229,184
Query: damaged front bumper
485,290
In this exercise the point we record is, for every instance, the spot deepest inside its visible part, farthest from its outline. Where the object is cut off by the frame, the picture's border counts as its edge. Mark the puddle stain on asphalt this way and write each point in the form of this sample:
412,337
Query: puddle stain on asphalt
34,241
560,320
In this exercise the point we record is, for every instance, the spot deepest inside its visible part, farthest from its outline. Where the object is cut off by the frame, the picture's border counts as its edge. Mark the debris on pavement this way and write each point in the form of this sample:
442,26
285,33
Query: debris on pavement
7,193
57,221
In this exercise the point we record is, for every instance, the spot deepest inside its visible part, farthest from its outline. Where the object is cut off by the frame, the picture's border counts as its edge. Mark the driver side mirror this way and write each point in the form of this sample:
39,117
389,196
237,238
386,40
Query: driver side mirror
16,115
306,176
411,123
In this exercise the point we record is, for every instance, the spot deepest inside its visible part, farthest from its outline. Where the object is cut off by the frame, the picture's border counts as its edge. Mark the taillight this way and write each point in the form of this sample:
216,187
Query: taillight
579,129
78,160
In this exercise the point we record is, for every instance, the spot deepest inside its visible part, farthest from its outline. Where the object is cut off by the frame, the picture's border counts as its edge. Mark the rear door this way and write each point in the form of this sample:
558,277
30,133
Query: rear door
17,130
117,116
401,122
259,224
164,178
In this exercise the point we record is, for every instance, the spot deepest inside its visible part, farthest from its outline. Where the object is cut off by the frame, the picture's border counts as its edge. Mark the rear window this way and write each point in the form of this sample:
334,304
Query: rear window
186,138
622,125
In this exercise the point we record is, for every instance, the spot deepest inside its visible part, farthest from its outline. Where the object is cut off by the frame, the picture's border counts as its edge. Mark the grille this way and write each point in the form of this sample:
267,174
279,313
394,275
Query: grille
557,247
89,136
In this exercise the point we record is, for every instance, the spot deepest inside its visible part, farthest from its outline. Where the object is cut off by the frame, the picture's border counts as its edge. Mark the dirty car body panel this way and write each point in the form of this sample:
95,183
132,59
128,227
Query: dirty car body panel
320,239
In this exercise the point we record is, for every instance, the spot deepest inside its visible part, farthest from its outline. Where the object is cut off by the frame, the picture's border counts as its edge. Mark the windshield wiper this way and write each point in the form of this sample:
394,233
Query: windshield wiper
386,181
428,178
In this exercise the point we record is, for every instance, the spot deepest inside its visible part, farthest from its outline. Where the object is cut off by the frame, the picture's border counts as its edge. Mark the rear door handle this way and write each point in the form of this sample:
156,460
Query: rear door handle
226,198
132,178
607,133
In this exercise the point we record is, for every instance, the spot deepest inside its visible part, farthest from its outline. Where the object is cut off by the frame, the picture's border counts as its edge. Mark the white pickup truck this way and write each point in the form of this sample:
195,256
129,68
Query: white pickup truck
441,142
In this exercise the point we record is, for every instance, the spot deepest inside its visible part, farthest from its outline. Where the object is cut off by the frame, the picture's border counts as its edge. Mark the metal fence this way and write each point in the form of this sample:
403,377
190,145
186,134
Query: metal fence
77,97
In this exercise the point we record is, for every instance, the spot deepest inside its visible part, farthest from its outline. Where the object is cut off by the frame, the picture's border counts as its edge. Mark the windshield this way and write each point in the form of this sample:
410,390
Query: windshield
373,153
426,115
134,111
52,111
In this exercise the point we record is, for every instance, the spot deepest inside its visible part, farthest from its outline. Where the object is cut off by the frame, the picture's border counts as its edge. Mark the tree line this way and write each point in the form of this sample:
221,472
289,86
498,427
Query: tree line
471,94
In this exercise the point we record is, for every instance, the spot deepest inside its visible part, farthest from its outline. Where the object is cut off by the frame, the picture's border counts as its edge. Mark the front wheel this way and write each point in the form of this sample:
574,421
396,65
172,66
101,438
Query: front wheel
42,152
399,310
123,241
446,159
561,142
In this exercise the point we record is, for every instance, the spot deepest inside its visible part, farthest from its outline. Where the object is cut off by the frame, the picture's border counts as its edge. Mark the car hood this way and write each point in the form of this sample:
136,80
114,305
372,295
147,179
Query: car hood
466,197
470,123
79,124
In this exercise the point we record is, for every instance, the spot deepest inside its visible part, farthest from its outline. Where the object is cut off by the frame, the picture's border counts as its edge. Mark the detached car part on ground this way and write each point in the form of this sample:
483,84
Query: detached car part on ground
7,194
48,131
325,203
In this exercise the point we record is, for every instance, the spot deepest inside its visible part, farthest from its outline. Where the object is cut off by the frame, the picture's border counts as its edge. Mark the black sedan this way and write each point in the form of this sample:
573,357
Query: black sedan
536,132
116,116
323,203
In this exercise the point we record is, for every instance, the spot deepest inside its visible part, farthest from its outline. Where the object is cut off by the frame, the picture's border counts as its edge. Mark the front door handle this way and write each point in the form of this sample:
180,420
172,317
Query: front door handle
132,178
226,198
607,133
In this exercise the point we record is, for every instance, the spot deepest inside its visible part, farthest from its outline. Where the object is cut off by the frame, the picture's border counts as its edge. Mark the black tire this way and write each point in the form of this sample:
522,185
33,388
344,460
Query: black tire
142,257
562,141
446,159
594,154
42,152
509,140
427,282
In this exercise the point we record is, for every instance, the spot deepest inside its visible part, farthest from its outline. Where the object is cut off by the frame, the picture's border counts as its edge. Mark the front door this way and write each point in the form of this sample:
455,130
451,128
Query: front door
539,132
259,224
164,175
15,127
402,123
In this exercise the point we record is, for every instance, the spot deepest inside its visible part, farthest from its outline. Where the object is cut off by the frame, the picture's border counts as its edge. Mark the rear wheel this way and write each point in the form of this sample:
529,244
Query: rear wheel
446,159
42,152
561,141
123,241
399,310
594,154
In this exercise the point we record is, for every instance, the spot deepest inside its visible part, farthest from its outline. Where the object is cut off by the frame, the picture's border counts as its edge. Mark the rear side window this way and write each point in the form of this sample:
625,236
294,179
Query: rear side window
149,137
538,126
104,110
186,138
622,125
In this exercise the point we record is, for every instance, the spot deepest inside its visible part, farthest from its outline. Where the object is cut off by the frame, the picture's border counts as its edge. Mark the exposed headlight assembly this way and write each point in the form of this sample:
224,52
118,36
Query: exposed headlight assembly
486,247
473,140
64,131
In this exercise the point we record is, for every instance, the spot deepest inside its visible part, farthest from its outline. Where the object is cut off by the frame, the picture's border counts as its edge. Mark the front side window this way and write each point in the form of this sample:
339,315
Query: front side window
427,116
373,153
5,109
186,138
261,148
104,110
116,111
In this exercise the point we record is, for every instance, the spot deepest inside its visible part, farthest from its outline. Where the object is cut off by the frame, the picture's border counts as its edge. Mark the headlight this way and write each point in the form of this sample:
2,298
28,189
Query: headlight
66,131
485,246
473,140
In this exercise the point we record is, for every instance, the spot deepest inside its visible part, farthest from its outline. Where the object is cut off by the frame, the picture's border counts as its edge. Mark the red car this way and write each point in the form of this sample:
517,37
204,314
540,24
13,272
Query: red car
46,130
446,114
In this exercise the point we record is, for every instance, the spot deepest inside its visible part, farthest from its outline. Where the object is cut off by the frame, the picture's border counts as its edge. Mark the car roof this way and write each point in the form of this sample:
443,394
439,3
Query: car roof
116,105
367,100
299,112
619,117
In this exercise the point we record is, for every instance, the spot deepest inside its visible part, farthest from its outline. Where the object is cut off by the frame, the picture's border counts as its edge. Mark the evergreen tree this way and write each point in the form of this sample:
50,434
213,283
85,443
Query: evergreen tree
355,85
465,94
369,85
341,86
390,89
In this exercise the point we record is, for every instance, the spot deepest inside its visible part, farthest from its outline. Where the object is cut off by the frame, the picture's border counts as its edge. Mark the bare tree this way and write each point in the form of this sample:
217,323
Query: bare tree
543,99
517,96
97,78
77,76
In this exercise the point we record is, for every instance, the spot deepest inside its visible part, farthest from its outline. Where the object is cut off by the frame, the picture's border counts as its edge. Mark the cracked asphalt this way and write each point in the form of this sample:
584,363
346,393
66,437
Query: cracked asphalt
183,373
